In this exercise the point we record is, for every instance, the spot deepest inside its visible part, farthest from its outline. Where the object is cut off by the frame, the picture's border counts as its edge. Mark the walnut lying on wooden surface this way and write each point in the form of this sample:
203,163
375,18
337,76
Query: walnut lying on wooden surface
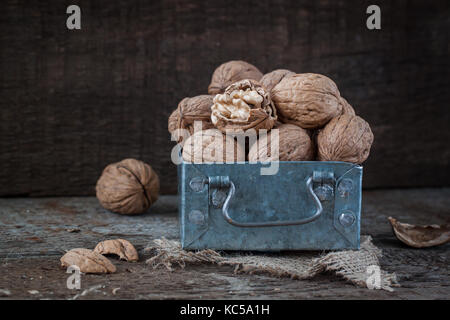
211,146
294,144
121,247
345,138
128,187
271,79
88,261
420,236
230,72
308,100
244,105
189,110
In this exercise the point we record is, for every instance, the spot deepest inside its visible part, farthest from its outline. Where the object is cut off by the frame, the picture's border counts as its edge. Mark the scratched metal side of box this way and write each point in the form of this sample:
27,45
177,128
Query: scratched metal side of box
282,197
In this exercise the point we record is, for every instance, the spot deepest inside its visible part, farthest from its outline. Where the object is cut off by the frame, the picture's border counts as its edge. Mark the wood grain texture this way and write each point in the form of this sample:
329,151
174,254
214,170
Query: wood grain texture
75,101
37,232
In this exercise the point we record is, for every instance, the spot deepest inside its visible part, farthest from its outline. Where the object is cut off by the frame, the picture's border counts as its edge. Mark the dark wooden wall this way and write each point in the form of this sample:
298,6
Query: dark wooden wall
73,101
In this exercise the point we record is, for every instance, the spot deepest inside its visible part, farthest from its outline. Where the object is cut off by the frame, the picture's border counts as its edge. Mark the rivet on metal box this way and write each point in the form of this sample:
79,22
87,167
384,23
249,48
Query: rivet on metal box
306,205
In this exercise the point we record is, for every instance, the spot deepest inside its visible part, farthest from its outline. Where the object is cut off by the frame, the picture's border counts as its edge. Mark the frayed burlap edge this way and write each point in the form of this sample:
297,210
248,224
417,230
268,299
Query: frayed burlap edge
360,267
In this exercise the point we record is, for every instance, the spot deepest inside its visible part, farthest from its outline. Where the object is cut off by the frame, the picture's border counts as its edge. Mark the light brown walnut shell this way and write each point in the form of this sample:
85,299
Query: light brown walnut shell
346,108
261,115
419,236
345,138
308,100
197,108
230,72
173,121
202,146
88,261
294,144
121,247
128,187
271,79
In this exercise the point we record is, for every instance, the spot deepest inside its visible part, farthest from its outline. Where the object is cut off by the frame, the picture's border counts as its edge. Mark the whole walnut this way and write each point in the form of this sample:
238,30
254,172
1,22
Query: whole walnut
230,72
345,138
294,144
271,79
189,110
346,108
212,146
244,105
128,187
308,100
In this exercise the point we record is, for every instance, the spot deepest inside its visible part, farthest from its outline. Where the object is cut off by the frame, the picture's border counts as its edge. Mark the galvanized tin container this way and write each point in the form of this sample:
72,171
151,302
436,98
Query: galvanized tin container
307,205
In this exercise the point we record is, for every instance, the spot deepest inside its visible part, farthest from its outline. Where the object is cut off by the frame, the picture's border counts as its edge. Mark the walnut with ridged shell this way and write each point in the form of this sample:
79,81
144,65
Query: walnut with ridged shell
308,100
212,146
244,105
230,72
345,138
189,110
293,144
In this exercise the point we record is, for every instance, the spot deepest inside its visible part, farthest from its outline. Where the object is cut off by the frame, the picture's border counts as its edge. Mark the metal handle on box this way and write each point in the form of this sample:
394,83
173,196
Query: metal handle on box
230,220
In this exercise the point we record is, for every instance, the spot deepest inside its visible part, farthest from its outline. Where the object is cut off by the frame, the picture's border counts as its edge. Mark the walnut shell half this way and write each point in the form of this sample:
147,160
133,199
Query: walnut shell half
88,261
271,79
189,110
212,146
418,236
121,247
244,105
345,138
308,100
230,72
128,187
294,144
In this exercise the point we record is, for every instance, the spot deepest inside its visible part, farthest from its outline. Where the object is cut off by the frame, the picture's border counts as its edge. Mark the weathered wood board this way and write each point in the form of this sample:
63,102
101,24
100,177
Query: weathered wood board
35,234
74,101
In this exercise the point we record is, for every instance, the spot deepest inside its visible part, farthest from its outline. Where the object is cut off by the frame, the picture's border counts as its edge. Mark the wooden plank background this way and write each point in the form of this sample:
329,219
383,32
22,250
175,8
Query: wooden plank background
74,101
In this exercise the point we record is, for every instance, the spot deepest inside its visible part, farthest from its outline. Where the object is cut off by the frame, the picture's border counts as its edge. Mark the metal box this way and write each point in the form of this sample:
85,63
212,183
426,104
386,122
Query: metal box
306,205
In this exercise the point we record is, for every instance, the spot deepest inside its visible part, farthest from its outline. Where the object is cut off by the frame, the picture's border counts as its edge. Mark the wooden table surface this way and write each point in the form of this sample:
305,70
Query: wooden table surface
35,232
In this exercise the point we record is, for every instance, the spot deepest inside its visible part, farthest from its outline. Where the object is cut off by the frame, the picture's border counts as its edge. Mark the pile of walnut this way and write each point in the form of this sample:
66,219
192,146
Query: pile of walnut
314,122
